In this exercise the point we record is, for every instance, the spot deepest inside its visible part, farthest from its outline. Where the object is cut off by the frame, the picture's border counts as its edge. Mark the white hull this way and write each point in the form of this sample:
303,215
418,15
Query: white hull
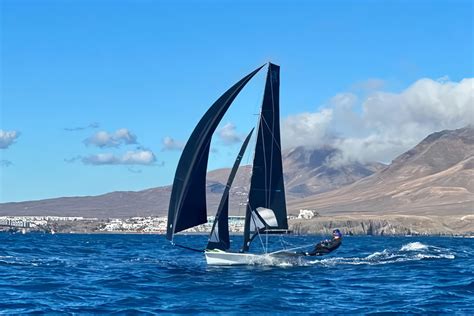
223,258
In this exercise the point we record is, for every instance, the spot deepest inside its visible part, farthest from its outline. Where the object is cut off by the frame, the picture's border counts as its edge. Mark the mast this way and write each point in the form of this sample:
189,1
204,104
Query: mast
219,237
188,196
266,207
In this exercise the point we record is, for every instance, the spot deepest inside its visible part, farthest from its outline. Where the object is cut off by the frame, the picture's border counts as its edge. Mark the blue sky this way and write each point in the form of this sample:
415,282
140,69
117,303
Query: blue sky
141,71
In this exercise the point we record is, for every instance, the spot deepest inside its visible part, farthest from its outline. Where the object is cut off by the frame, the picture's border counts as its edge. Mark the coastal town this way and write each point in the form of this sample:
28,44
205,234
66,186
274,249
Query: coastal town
307,222
149,224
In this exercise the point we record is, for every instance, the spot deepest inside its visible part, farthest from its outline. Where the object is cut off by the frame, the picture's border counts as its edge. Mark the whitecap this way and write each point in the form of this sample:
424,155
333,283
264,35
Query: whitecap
440,256
385,253
414,246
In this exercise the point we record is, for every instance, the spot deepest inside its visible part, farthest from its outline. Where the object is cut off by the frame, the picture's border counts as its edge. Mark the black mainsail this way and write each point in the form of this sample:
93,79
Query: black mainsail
219,237
266,208
188,196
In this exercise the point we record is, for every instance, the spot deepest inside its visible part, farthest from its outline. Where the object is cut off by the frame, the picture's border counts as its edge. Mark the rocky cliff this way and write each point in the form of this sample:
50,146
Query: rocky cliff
387,225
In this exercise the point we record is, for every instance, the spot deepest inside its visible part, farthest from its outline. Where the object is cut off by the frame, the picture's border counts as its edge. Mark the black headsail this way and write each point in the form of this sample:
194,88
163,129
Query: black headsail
266,208
219,237
188,197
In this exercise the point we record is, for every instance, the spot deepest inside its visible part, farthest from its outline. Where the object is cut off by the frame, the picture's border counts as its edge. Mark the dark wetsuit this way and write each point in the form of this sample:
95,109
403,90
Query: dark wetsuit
325,247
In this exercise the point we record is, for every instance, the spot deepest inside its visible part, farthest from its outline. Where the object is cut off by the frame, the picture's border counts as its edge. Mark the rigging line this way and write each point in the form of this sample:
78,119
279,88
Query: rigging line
215,228
265,190
261,127
282,242
257,124
266,241
257,230
287,244
252,174
258,233
240,197
187,248
247,219
273,136
247,202
291,249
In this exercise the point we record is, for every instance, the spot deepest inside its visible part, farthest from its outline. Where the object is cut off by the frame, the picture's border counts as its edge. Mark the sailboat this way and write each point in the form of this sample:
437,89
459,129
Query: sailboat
266,206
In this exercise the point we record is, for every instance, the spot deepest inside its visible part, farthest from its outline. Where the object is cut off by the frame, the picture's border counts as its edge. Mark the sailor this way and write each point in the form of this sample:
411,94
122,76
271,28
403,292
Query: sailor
327,246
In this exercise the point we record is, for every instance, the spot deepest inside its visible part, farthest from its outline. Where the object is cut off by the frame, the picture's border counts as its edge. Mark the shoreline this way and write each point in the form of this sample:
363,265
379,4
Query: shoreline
349,224
206,234
388,225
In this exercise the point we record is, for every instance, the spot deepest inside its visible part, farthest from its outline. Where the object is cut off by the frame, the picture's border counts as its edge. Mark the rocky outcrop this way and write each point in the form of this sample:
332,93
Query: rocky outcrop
388,225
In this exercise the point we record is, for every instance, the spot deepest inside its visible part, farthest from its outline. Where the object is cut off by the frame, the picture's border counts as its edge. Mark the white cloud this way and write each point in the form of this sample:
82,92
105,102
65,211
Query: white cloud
104,139
7,138
139,157
307,129
170,143
382,125
228,134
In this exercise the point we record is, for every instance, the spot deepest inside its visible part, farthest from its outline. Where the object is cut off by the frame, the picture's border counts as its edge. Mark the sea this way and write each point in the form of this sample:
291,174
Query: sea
145,274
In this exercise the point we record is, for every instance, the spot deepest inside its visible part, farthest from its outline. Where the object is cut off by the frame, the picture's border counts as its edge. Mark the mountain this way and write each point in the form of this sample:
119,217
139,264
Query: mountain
114,204
436,177
310,171
306,172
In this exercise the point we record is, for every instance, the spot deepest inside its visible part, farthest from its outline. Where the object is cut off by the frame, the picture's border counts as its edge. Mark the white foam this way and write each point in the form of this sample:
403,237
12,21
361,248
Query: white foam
275,262
374,255
285,264
414,251
414,246
5,257
440,256
377,254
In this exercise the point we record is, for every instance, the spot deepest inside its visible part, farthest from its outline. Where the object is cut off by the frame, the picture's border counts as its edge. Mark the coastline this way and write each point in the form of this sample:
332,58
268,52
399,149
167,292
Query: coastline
349,224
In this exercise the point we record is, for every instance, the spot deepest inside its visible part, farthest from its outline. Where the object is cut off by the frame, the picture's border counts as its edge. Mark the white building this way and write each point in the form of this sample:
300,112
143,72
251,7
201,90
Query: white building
307,214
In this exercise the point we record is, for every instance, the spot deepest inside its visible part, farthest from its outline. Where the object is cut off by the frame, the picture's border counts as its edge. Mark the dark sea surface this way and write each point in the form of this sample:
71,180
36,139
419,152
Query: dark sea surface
122,274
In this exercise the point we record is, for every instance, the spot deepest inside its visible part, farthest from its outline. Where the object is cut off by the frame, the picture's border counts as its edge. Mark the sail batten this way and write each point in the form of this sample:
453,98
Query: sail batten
187,206
267,189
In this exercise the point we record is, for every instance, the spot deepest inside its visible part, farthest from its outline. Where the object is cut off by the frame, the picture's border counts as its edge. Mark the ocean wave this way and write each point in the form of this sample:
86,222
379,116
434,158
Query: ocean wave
143,274
35,262
414,246
413,251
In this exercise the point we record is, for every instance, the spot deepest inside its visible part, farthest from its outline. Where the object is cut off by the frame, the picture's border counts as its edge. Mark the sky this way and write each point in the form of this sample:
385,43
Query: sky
100,96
